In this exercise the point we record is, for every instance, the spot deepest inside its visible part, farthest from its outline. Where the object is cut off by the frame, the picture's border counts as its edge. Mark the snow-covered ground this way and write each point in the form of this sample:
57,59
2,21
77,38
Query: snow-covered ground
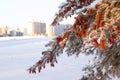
18,54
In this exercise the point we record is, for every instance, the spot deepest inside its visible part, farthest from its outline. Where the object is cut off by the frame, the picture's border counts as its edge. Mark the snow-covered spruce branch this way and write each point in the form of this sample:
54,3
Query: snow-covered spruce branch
69,8
106,65
95,31
49,56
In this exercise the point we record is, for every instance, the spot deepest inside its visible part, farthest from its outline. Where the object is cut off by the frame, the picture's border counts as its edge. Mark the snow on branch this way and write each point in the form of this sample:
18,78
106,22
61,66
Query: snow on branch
69,8
95,31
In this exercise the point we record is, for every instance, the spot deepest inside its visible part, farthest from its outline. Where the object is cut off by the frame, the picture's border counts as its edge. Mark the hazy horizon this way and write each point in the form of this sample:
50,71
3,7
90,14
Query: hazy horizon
20,12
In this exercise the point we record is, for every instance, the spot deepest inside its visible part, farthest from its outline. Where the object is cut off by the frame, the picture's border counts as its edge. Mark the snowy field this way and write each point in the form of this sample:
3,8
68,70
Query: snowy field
18,54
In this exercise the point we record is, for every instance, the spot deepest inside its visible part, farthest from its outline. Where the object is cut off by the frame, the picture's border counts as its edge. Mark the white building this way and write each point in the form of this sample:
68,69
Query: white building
35,28
49,30
59,29
39,28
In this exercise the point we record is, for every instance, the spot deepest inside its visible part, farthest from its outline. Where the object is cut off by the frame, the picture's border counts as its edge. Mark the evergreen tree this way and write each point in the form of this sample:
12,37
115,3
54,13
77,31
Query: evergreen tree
96,31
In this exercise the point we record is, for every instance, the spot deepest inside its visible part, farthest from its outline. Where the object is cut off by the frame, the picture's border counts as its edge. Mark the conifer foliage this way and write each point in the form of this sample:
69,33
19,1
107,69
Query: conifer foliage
96,31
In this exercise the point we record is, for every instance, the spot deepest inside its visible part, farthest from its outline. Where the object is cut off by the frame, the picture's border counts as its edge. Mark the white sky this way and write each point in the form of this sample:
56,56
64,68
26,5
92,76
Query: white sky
19,12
